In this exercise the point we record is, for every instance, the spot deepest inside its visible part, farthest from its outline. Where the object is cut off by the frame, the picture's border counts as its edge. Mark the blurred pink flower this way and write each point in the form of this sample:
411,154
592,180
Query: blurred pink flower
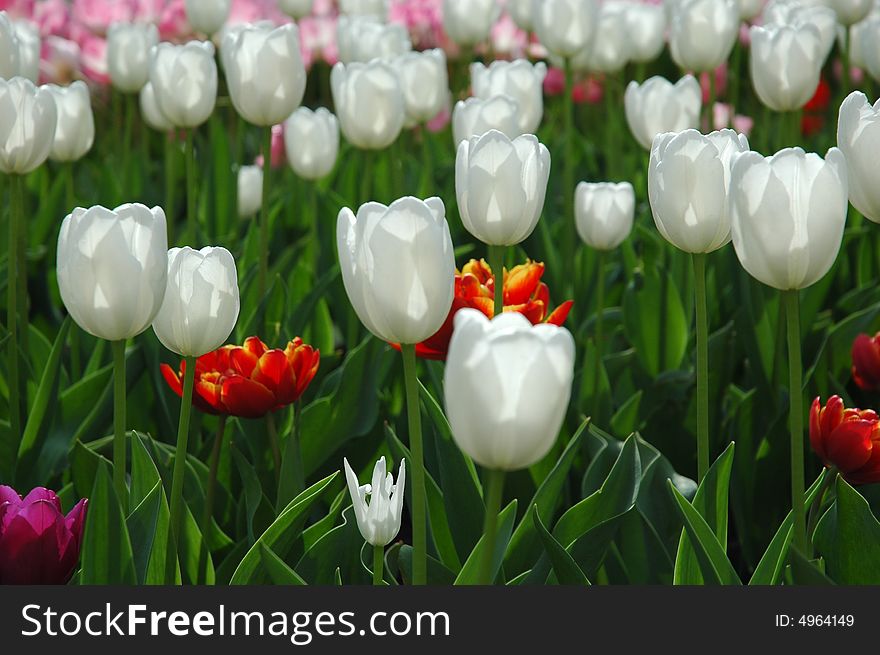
149,11
720,82
743,124
423,19
318,39
173,25
508,39
97,15
248,11
723,116
554,82
59,60
440,121
18,8
52,17
93,56
324,8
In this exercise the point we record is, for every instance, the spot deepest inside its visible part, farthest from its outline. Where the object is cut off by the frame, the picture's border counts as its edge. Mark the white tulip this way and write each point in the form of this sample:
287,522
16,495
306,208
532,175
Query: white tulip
128,54
565,27
702,33
207,16
369,103
398,267
501,185
794,14
468,22
75,124
786,63
749,9
858,137
27,125
850,12
788,215
507,385
111,268
29,45
866,45
250,190
521,13
201,302
604,213
609,50
378,520
658,106
520,80
362,38
184,79
9,49
311,140
646,25
424,82
475,116
689,187
150,111
296,8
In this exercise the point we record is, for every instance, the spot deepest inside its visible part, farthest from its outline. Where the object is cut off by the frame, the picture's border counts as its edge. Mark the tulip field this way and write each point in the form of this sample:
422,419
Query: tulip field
444,292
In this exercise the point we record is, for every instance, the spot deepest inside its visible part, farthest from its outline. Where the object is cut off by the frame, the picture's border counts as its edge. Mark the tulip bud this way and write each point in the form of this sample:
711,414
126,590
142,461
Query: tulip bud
201,301
75,125
28,128
363,39
702,33
468,22
501,185
9,50
847,439
424,82
208,16
311,139
296,8
38,543
378,520
474,117
610,47
150,111
858,137
369,103
565,27
129,47
866,362
507,385
29,46
850,12
689,185
520,80
646,27
112,267
604,213
250,190
788,215
658,106
521,13
377,9
785,65
398,267
264,71
184,79
795,15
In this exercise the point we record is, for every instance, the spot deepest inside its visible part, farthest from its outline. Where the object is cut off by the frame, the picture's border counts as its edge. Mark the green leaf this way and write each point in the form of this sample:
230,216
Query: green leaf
279,572
566,569
340,548
107,557
848,537
470,572
710,502
279,536
655,322
714,565
806,572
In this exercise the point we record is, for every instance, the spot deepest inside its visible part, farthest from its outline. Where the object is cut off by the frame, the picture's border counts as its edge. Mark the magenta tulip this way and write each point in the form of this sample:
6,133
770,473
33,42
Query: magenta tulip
38,544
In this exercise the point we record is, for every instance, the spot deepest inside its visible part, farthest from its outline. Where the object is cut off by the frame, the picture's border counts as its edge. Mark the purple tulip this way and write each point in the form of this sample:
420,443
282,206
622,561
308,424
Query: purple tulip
38,544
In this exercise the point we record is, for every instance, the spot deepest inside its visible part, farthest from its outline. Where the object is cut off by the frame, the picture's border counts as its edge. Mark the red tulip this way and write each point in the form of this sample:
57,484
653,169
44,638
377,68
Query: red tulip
250,380
475,287
847,439
38,544
866,362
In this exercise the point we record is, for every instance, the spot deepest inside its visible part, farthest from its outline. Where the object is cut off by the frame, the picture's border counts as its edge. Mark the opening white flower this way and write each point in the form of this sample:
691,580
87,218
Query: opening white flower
379,519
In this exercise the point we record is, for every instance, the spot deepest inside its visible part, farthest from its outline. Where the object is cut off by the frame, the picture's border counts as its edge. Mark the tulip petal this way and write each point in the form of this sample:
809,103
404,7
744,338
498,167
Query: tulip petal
849,446
245,398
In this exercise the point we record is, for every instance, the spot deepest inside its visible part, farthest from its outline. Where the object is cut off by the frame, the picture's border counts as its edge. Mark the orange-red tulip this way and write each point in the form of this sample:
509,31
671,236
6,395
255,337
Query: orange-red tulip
866,362
848,439
249,381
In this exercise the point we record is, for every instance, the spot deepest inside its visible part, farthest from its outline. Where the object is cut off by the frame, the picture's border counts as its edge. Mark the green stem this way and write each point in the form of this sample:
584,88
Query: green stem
413,412
210,494
568,169
264,213
13,266
710,113
129,100
611,111
191,190
274,446
600,310
314,229
367,179
830,475
427,165
69,189
119,451
496,263
796,401
847,83
170,186
702,318
494,488
180,461
292,479
378,565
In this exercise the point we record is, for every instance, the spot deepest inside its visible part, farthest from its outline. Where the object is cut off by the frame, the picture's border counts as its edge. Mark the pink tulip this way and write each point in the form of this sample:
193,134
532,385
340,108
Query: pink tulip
53,17
59,61
38,544
173,25
97,15
18,8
